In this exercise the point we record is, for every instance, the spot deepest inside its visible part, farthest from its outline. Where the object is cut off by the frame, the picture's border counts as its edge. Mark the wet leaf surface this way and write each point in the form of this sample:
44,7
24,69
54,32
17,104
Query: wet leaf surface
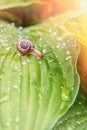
34,93
76,117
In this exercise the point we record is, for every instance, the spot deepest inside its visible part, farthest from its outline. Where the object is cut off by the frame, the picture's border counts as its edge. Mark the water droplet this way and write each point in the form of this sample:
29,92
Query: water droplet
54,33
15,67
20,28
15,87
65,93
28,60
0,46
2,41
70,127
4,98
64,44
24,63
17,119
12,24
68,52
74,45
56,24
61,87
68,58
50,61
9,81
40,96
9,89
62,47
40,62
60,38
78,122
50,30
17,127
8,123
52,47
2,31
40,39
58,46
44,50
59,49
79,103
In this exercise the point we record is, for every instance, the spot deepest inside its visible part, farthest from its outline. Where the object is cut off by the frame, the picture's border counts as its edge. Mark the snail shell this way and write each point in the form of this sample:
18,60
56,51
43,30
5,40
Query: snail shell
26,47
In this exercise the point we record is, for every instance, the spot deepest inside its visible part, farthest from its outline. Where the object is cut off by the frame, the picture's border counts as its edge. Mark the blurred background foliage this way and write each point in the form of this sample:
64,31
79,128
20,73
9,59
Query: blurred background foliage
28,12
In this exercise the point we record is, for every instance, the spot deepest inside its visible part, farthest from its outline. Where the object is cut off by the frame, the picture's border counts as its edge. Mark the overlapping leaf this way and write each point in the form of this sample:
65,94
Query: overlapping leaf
77,25
76,117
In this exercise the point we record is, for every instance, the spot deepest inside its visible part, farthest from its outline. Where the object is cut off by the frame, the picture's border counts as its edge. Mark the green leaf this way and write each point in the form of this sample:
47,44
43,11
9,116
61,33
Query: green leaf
34,93
76,117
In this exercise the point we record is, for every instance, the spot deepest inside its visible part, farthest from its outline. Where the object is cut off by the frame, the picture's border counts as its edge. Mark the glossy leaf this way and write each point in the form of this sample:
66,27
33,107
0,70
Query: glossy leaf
76,117
34,93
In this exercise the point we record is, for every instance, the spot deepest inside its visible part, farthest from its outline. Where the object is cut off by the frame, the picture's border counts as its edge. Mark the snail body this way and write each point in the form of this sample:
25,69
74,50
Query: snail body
26,47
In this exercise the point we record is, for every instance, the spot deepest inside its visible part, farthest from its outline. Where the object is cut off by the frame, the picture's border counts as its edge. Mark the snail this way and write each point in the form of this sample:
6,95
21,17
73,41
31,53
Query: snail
26,47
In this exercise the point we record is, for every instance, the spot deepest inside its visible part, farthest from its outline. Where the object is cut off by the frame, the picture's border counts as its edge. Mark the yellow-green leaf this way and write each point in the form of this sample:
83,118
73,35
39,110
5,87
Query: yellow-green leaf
77,25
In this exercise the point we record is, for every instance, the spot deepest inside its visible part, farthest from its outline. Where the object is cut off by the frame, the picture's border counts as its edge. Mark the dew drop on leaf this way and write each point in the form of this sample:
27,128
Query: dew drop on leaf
64,44
9,81
15,87
17,119
58,46
65,93
17,127
24,63
50,61
50,30
56,24
68,58
70,128
8,48
78,122
44,50
16,67
4,98
39,62
40,96
28,61
68,52
8,123
60,39
54,33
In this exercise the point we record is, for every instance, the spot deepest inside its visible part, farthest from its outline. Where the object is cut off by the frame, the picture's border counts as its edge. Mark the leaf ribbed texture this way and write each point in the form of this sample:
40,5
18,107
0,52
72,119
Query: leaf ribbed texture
34,93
